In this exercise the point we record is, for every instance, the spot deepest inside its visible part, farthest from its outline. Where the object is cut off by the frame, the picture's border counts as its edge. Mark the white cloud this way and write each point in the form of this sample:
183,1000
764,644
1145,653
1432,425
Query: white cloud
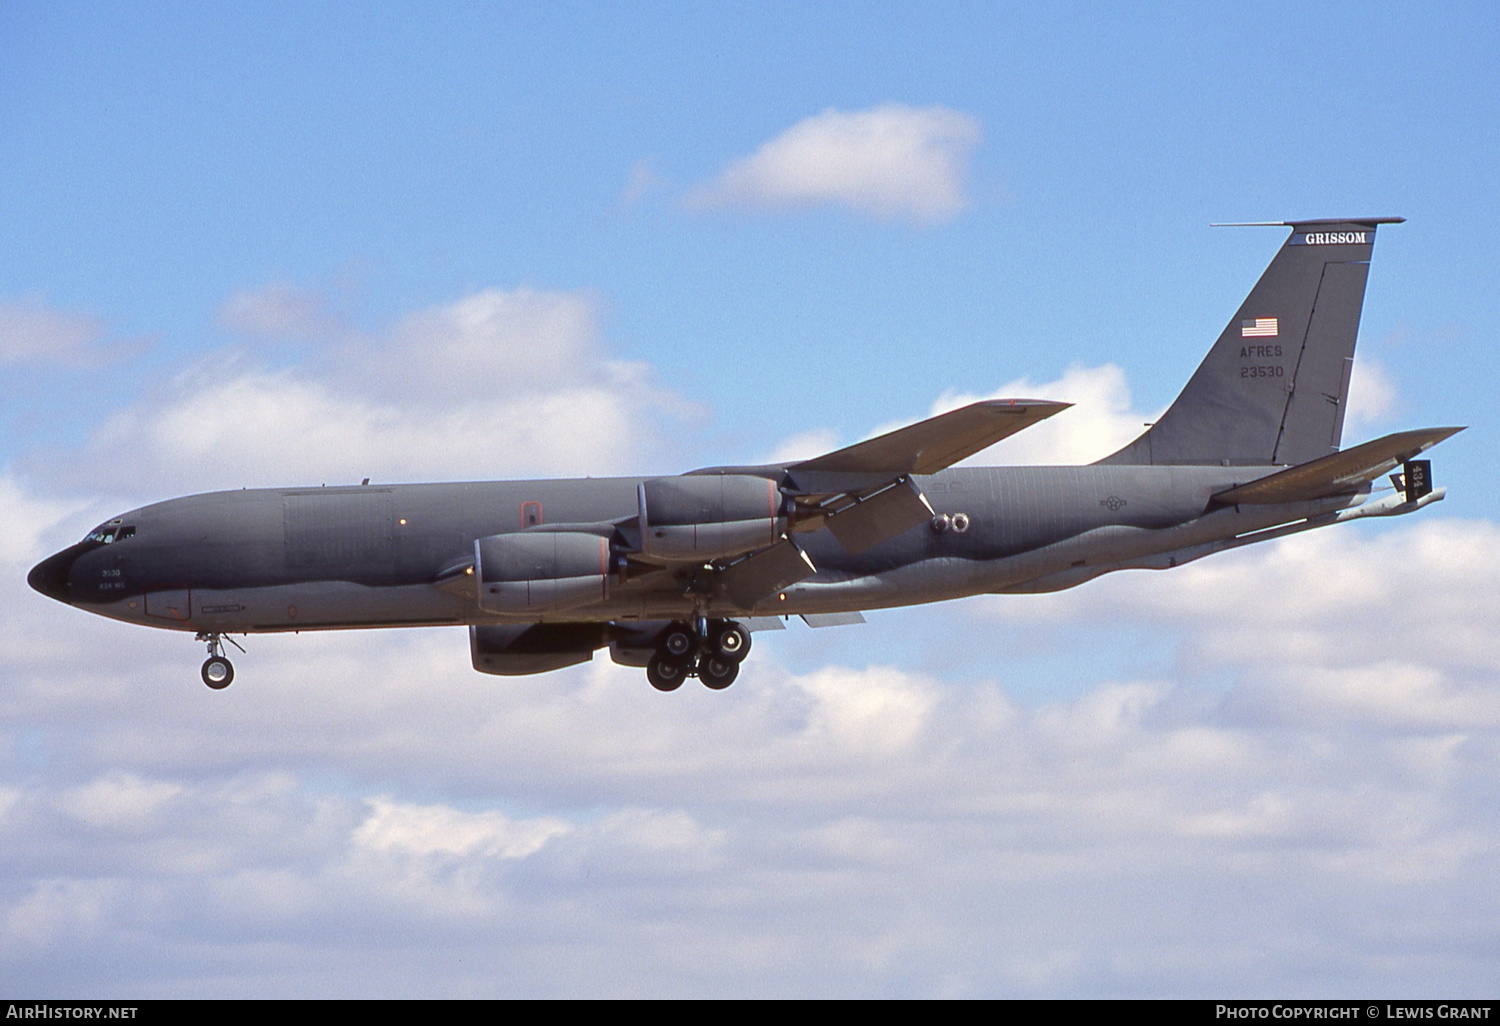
428,830
894,162
1336,596
491,343
28,518
804,446
32,333
119,799
869,714
1372,395
497,384
833,830
1100,421
53,912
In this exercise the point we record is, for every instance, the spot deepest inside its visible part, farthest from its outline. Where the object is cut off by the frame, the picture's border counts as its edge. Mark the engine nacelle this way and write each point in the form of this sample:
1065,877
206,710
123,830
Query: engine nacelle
701,517
536,572
514,650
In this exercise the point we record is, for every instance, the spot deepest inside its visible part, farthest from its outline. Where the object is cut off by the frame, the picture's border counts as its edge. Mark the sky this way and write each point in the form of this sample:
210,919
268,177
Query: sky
291,244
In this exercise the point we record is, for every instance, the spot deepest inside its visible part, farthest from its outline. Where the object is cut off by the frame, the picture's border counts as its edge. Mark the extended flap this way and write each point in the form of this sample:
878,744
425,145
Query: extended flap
884,515
765,573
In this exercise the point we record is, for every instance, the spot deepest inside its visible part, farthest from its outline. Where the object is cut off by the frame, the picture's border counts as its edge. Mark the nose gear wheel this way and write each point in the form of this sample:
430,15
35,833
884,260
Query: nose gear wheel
217,671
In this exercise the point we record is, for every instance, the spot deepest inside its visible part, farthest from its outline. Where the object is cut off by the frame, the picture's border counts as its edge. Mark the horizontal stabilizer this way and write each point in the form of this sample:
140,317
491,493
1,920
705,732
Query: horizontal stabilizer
1337,472
931,445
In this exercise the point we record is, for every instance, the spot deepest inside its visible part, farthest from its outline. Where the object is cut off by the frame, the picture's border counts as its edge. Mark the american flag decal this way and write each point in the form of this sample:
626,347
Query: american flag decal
1261,327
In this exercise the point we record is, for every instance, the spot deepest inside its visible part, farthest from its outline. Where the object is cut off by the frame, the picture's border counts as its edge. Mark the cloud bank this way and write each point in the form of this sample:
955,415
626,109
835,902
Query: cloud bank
1294,798
500,383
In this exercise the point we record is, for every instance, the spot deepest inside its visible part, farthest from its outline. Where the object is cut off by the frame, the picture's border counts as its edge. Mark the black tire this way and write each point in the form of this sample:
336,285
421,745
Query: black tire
665,674
718,674
217,672
679,642
732,642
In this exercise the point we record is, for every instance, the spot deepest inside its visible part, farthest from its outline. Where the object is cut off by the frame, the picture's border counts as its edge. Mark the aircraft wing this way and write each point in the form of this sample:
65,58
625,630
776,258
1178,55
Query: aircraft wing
935,443
733,530
864,493
1336,472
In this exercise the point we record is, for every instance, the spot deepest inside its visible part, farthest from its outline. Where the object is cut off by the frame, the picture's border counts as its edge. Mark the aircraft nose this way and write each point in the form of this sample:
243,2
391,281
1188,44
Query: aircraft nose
50,576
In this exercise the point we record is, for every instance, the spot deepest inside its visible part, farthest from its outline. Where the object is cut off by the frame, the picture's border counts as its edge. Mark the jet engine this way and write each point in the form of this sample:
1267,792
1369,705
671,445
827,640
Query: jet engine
514,650
536,572
702,517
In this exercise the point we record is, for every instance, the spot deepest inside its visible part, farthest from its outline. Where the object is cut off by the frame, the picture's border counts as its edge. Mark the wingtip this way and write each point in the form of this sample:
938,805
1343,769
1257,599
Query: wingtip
1028,404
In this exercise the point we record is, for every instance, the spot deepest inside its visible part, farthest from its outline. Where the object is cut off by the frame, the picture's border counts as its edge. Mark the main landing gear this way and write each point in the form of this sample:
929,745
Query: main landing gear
712,653
218,671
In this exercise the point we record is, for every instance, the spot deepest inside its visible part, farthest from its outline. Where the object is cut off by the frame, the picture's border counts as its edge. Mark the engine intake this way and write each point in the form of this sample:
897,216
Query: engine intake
704,517
541,572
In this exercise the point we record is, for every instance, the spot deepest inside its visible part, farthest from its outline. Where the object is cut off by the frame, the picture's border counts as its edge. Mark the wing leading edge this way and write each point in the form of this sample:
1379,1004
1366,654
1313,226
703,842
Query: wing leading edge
935,443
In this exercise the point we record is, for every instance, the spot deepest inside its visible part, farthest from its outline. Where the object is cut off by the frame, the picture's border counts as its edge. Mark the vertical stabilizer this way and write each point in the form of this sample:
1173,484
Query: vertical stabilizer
1273,389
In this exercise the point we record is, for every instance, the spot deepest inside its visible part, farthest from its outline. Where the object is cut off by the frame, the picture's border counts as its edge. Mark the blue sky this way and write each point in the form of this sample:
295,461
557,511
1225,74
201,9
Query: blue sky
300,243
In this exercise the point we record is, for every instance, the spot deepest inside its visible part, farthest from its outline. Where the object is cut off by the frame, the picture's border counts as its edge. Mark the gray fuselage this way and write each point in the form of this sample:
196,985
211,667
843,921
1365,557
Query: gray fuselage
366,556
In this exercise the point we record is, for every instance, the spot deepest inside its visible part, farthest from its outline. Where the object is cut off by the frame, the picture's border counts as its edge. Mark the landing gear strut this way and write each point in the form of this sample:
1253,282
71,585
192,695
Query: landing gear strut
218,671
712,653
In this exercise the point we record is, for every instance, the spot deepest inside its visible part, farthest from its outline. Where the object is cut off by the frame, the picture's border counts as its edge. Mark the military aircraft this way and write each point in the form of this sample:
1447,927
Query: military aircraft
674,573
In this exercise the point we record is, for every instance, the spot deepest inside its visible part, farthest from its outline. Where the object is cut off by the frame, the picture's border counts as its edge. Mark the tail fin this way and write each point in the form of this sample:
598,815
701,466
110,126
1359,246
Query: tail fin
1272,390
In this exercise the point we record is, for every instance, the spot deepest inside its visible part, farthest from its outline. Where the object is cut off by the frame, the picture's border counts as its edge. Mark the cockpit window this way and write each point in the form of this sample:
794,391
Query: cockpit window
105,535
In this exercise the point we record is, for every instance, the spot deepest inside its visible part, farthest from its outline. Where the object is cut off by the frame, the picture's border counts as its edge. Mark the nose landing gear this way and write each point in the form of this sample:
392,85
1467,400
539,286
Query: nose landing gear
712,653
218,671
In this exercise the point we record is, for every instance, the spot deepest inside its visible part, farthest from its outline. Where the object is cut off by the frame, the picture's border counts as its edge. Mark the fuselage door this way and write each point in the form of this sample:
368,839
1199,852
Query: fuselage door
172,604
